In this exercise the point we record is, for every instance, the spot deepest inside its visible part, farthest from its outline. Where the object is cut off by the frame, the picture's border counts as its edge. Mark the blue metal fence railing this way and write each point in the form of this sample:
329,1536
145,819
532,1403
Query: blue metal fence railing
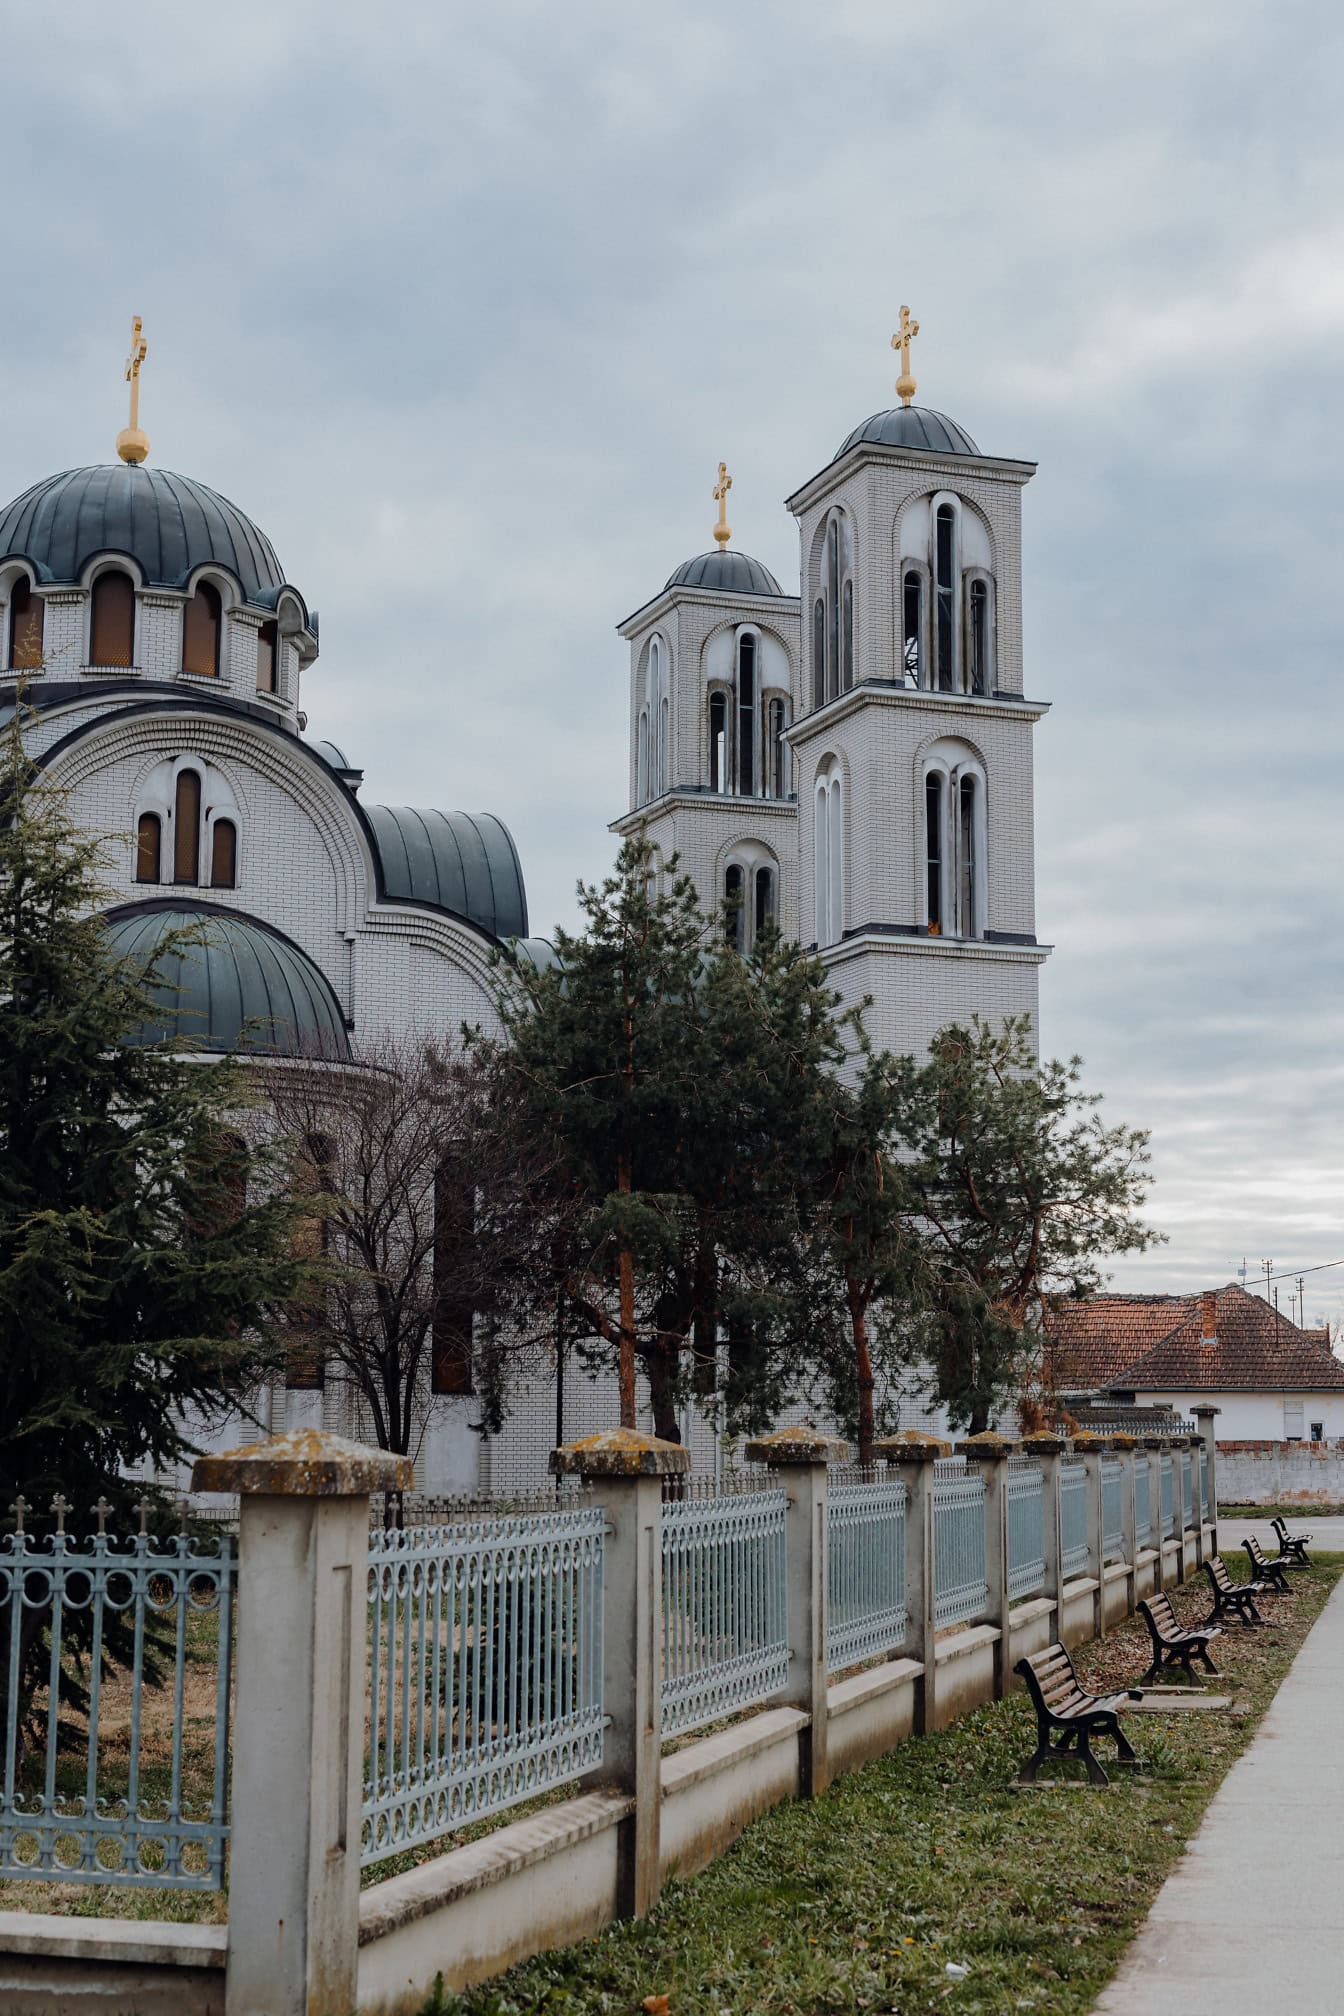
1143,1515
1112,1509
84,1801
1187,1487
1026,1531
485,1669
960,1591
725,1623
865,1571
1073,1517
1168,1483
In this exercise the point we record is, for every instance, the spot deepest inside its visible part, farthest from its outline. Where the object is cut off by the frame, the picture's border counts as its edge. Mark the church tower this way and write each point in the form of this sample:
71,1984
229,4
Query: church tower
714,694
912,741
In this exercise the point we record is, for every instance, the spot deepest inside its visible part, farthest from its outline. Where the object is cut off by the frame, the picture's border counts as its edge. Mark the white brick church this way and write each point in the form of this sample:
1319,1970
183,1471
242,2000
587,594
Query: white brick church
852,760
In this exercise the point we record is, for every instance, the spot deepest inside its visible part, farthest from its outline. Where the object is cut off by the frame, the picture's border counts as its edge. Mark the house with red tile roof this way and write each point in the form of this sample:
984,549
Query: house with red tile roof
1271,1380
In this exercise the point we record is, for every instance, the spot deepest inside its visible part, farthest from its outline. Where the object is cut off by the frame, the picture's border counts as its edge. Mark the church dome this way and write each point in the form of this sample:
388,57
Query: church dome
911,427
731,573
463,862
243,986
167,524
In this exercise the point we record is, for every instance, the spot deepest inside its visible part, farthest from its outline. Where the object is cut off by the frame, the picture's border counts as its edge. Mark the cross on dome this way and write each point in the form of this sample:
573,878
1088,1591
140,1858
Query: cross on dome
723,531
905,384
132,442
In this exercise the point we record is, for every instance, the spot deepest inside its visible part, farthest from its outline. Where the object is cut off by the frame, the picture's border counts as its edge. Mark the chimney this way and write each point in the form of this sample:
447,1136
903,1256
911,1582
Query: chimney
1208,1325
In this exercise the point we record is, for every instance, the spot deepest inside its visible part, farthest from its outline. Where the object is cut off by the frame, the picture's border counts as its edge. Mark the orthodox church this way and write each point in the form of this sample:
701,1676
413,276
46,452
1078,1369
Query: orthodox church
852,761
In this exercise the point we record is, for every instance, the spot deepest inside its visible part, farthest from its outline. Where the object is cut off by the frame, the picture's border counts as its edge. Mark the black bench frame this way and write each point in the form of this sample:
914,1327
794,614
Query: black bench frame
1273,1573
1172,1644
1292,1551
1232,1599
1079,1715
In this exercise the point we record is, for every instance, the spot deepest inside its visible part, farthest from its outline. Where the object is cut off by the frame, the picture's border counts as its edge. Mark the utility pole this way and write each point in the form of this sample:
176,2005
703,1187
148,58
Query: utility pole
1301,1303
1268,1266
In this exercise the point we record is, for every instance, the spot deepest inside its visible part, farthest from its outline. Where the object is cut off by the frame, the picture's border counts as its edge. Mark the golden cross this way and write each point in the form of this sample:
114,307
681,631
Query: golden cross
905,384
132,445
723,531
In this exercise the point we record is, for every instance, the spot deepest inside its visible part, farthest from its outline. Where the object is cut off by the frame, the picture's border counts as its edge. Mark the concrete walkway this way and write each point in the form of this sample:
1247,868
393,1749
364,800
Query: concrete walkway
1252,1918
1327,1534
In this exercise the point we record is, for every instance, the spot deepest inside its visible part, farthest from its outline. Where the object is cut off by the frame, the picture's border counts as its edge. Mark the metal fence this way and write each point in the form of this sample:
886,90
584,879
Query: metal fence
1073,1517
485,1669
1168,1497
725,1628
960,1591
1112,1509
865,1571
1187,1487
1026,1530
1143,1503
1205,1498
102,1640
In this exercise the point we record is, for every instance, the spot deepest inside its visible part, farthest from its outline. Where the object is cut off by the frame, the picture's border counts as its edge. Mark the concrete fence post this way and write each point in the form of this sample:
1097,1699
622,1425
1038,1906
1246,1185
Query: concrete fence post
1155,1446
803,1458
1129,1514
1206,1416
912,1457
989,1453
629,1468
1050,1451
298,1731
1092,1452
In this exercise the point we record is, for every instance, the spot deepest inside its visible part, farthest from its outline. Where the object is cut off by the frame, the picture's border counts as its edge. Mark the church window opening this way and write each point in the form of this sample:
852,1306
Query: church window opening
979,641
819,653
223,854
642,757
267,654
734,921
718,741
848,670
201,621
828,853
746,716
778,750
664,727
112,620
148,843
765,901
966,864
26,613
833,610
933,848
945,595
454,1262
912,593
187,828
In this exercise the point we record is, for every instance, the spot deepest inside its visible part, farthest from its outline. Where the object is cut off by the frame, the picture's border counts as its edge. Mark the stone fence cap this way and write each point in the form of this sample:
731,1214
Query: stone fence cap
306,1463
987,1446
620,1452
797,1445
911,1447
1045,1445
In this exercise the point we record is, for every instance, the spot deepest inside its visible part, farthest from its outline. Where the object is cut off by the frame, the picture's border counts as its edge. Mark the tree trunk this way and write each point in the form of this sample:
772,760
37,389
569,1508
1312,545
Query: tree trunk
863,1370
661,1366
626,1348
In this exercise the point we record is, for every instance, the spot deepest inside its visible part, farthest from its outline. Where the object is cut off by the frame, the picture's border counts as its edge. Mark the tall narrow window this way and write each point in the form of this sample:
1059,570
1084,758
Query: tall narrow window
933,848
734,925
833,610
777,750
148,842
746,716
26,612
966,865
223,854
187,828
945,595
642,757
848,668
718,742
835,905
819,653
912,595
268,651
201,620
454,1277
664,730
979,641
821,842
765,900
112,620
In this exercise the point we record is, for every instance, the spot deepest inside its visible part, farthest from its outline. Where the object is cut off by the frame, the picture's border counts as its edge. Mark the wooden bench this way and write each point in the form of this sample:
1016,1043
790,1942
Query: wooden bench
1173,1645
1294,1552
1232,1599
1274,1574
1060,1703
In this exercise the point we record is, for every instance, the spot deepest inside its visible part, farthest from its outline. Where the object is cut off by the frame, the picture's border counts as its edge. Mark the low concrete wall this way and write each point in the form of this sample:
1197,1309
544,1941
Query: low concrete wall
1079,1611
871,1712
1281,1473
120,1967
1117,1603
714,1788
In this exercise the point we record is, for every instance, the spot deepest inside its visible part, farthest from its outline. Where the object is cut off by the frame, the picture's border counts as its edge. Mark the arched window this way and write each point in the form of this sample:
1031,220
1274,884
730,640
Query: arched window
945,596
978,652
954,843
828,854
734,922
933,848
148,847
847,673
833,609
966,861
718,741
187,828
223,854
201,620
912,602
664,732
765,901
112,620
26,613
642,757
268,651
777,749
746,715
819,652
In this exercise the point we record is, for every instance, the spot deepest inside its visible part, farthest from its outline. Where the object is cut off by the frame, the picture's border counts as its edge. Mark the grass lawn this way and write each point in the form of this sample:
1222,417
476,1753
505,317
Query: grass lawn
860,1900
1279,1511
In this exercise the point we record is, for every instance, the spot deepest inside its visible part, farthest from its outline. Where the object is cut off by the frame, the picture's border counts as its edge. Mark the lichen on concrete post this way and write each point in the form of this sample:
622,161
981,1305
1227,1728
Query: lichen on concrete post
803,1457
298,1733
989,1454
912,1456
629,1469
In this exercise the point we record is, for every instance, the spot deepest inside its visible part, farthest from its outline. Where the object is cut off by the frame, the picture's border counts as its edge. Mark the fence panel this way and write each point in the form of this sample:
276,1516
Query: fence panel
960,1591
865,1597
113,1650
1112,1509
1143,1504
725,1625
1073,1517
1168,1497
1204,1494
1187,1487
1026,1530
485,1670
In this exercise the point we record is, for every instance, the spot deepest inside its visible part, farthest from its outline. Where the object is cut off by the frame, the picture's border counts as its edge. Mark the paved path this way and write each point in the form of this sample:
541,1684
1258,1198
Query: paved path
1327,1534
1272,1844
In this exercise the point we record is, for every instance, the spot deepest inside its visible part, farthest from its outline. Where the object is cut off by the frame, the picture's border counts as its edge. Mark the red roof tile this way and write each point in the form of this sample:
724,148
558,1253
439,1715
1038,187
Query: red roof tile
1088,1342
1153,1344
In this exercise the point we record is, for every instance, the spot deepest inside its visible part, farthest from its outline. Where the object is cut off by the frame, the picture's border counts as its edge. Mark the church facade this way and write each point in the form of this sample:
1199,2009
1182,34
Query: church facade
851,761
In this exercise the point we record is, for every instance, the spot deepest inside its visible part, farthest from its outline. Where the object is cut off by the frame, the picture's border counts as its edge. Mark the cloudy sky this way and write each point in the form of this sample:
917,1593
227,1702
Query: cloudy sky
463,304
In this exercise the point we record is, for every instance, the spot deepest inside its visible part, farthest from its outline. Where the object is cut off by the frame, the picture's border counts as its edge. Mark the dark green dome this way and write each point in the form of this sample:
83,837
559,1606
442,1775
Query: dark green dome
731,573
911,427
463,862
243,986
169,525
